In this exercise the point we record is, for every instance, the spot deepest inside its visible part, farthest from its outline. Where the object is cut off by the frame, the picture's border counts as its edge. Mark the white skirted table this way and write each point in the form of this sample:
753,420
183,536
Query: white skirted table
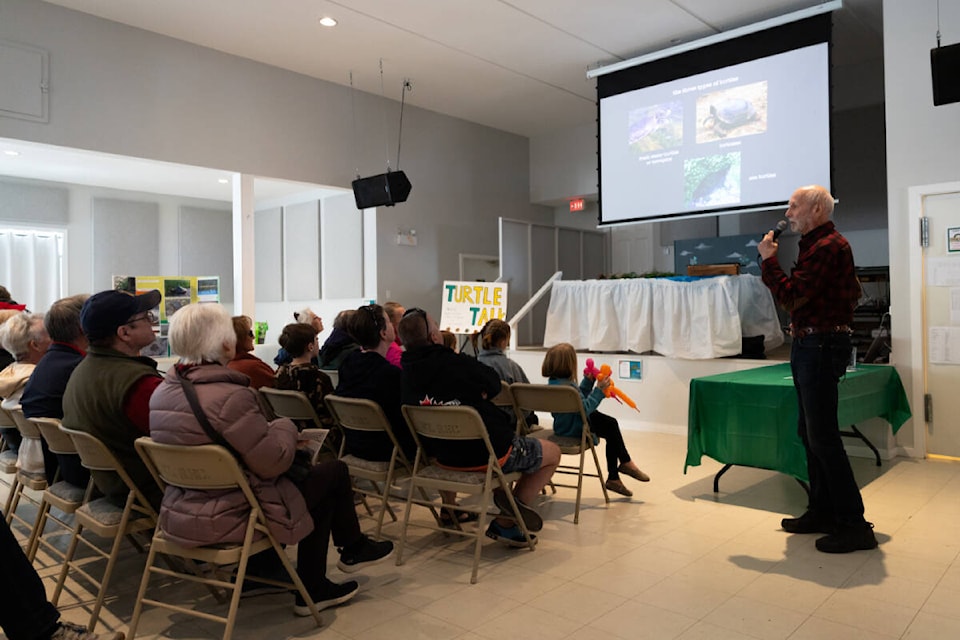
689,318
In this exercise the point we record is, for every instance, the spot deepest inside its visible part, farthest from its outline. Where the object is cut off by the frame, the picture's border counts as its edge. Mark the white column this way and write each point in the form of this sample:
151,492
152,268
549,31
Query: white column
244,302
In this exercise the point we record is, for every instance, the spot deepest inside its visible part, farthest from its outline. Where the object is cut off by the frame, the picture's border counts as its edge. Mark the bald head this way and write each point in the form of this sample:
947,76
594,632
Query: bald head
810,207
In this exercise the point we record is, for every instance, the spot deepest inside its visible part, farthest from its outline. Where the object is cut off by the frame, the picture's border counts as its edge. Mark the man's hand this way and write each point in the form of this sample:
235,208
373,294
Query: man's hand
768,247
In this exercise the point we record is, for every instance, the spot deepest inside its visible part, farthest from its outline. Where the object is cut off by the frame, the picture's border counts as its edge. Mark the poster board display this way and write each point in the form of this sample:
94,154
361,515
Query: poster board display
175,293
466,306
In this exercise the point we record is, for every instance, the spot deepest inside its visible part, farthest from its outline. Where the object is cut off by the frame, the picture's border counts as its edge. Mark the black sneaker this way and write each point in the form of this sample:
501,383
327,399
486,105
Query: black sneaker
849,538
365,552
531,518
809,522
510,536
329,595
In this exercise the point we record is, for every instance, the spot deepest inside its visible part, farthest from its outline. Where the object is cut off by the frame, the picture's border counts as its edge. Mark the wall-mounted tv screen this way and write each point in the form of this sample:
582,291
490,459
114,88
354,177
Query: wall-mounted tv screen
732,127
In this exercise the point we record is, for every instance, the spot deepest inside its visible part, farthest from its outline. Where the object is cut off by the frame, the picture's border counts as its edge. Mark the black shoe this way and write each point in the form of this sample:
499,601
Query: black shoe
510,536
363,553
848,538
531,518
329,595
809,522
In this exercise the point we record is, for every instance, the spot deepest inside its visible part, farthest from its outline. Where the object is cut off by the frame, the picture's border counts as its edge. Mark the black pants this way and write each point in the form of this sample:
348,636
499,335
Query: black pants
25,612
608,428
329,496
817,362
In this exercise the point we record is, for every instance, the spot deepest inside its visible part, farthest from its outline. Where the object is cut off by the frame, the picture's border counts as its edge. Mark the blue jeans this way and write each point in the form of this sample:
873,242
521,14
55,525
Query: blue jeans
818,361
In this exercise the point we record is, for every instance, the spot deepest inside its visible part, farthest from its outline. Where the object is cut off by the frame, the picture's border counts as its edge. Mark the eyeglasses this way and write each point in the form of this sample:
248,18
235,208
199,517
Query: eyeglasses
148,316
418,312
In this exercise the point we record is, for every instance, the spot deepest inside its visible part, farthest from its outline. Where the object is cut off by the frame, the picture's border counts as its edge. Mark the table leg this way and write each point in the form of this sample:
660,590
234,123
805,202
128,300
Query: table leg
716,478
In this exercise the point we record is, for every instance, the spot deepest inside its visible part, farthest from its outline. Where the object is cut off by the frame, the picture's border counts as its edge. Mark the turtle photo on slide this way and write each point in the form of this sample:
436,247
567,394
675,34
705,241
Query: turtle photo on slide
732,113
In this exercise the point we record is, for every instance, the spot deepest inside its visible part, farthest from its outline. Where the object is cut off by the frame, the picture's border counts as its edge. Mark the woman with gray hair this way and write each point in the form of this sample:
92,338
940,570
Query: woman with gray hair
201,401
26,339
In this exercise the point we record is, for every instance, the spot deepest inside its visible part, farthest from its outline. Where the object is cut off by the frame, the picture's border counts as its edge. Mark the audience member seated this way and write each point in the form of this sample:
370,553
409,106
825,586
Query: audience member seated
8,303
494,338
25,338
302,373
435,375
259,372
204,338
394,311
340,344
560,367
108,394
43,395
366,374
6,358
25,612
304,316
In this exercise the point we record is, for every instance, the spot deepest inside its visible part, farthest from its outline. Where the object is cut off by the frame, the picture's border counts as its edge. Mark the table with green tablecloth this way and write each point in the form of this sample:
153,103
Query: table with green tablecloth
749,417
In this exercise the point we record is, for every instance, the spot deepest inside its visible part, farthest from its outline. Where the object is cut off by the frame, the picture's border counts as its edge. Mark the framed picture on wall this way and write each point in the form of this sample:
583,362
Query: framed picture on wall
953,240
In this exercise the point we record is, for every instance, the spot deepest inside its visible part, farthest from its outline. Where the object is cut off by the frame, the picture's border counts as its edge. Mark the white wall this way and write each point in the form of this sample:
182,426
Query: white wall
923,147
122,90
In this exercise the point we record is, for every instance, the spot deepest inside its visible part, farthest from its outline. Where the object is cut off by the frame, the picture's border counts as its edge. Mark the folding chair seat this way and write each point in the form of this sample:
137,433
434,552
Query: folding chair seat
366,416
66,497
209,468
24,479
562,399
286,403
103,518
456,423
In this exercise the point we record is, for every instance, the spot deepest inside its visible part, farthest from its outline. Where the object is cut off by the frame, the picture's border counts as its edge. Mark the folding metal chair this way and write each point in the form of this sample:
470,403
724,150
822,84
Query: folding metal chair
562,399
209,468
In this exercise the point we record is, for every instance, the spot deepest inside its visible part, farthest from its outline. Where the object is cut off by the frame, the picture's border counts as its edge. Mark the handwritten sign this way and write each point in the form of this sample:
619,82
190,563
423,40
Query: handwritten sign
467,306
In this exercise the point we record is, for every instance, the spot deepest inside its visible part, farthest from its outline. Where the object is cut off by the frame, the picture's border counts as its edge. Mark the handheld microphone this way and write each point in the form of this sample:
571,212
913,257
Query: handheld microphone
781,227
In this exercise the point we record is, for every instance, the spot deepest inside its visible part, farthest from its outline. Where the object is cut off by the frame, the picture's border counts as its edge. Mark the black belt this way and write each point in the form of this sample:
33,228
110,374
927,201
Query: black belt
803,332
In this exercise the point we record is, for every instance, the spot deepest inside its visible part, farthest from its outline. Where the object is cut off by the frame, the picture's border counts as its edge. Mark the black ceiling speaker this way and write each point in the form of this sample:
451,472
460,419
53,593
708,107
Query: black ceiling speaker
383,190
945,69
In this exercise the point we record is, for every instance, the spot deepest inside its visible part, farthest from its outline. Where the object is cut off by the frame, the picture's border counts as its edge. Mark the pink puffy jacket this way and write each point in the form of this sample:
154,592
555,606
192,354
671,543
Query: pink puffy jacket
196,518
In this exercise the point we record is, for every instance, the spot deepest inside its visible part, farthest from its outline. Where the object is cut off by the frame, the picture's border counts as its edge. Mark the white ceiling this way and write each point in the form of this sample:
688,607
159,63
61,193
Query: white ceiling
515,65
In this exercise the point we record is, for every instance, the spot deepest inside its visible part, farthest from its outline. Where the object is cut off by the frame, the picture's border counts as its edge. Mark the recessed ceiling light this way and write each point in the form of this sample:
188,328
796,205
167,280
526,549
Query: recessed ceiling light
223,180
11,152
327,21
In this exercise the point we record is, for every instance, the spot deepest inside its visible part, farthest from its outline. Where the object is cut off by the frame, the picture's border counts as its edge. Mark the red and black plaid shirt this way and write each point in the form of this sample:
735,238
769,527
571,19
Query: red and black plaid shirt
822,290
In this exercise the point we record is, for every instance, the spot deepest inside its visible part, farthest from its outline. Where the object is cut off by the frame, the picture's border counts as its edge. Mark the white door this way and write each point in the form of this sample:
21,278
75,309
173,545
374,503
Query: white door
941,325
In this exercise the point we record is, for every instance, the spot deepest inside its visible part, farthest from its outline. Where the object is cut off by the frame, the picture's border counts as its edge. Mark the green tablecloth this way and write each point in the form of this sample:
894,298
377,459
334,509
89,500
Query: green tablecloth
750,417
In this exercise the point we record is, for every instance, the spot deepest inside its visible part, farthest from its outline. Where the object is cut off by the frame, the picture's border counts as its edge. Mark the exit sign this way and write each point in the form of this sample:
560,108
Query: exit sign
576,205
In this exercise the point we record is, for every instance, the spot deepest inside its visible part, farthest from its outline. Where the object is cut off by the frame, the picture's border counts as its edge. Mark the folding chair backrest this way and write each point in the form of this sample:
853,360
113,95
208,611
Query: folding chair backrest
446,423
505,397
57,441
543,397
358,414
291,404
207,467
26,428
95,455
6,420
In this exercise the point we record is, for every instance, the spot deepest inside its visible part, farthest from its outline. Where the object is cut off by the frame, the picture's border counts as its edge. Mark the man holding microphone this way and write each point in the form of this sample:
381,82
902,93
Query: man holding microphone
820,294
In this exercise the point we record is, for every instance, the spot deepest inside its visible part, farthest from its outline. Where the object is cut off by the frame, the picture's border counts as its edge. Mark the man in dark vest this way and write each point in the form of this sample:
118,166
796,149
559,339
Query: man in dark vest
108,394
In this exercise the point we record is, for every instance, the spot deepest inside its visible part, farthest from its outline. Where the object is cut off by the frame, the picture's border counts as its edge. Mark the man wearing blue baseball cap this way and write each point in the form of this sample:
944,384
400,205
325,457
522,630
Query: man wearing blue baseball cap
108,394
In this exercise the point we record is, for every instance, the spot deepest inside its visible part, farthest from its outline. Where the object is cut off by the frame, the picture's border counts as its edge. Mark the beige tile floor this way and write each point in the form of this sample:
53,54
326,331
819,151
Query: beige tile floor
676,561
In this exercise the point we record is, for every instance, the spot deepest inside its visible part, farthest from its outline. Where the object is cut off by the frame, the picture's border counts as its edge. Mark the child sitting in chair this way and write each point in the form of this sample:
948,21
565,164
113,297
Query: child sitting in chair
560,366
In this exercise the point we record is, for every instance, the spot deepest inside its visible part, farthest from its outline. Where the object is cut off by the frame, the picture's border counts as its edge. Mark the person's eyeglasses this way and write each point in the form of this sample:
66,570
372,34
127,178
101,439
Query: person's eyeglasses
419,312
148,316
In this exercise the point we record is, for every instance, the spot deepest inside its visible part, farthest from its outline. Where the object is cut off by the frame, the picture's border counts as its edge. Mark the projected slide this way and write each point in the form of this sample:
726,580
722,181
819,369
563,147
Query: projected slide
742,136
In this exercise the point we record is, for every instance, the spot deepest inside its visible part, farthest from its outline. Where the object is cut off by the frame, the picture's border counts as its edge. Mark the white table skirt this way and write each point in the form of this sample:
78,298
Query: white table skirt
694,320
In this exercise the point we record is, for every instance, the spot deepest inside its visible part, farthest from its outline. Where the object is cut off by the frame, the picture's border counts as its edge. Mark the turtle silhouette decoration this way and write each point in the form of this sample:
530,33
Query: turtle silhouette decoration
728,114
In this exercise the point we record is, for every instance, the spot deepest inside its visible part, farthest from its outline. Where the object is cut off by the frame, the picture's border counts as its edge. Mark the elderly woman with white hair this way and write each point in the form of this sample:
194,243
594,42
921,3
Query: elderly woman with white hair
308,513
25,337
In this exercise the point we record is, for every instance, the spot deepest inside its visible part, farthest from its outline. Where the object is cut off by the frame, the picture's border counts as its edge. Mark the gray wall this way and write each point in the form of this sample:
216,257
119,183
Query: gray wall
122,90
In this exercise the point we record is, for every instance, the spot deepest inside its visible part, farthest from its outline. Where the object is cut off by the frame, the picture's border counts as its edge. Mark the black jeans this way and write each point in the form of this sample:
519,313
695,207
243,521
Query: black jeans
25,612
608,428
329,496
818,361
